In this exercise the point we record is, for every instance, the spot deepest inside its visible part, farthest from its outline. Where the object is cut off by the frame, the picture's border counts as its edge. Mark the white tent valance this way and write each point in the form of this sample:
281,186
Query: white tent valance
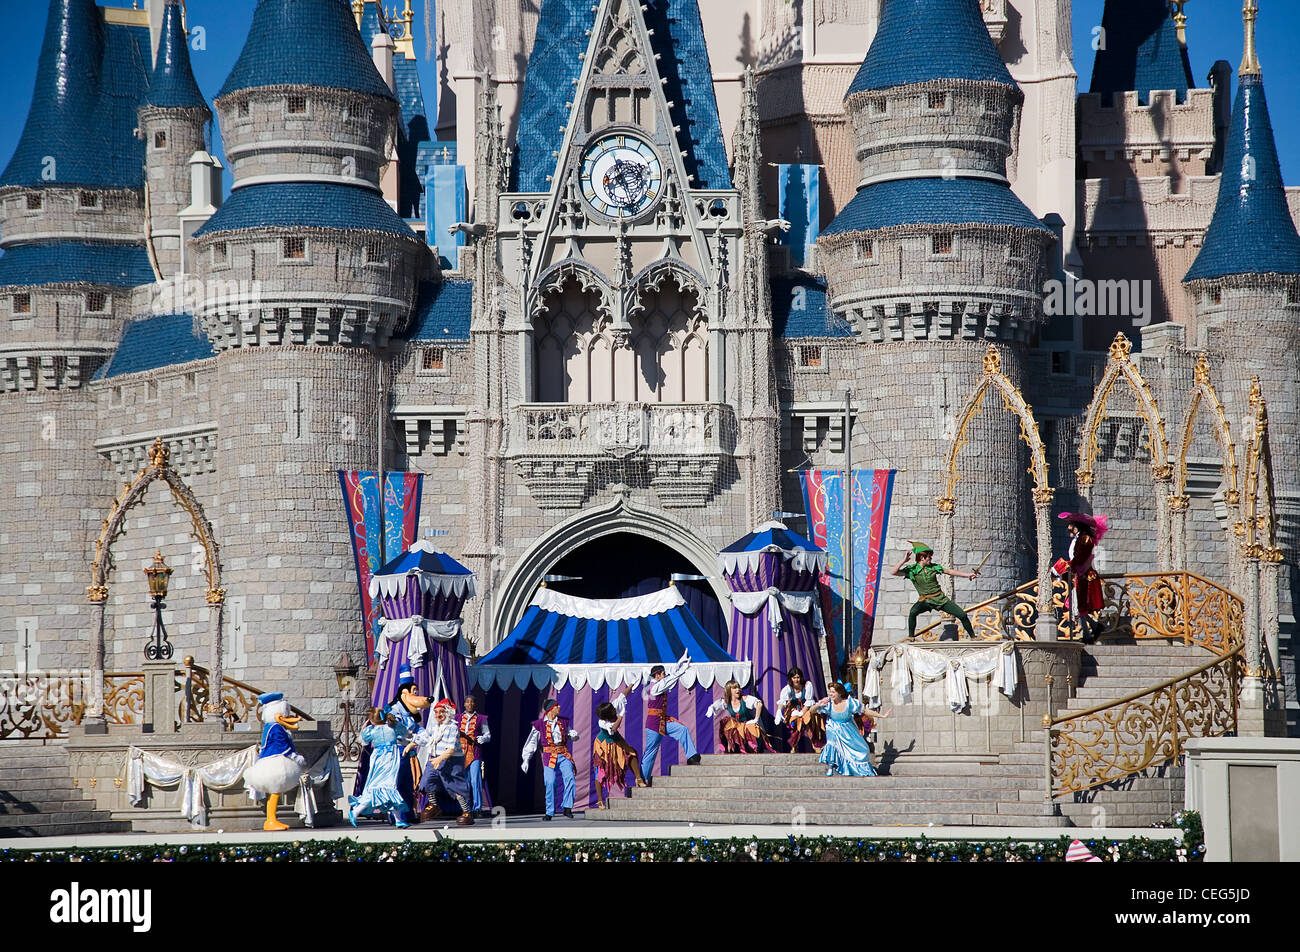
420,631
598,675
734,563
609,609
431,583
797,603
912,661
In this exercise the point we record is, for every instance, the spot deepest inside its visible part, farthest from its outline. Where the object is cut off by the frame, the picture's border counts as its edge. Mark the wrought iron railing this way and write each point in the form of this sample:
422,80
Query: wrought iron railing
1115,740
45,706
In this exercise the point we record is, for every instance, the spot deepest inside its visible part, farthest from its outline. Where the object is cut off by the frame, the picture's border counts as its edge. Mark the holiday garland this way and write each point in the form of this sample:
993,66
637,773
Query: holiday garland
701,849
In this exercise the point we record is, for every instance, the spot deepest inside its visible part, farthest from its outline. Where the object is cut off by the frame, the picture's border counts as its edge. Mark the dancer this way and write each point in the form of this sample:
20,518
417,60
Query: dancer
611,754
1086,596
657,722
279,766
930,597
380,794
474,734
408,711
846,751
738,730
555,755
799,712
444,781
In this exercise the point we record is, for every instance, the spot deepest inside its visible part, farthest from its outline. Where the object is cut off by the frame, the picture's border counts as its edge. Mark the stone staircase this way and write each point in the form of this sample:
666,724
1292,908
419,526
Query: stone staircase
37,797
1002,789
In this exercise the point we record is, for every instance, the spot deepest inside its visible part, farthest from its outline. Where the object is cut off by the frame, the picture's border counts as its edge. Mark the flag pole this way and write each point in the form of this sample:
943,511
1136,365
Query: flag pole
848,521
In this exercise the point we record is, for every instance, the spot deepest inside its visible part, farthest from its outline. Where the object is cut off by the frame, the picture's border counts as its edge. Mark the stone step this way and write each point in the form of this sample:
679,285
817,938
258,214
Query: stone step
43,807
50,826
39,819
940,817
836,787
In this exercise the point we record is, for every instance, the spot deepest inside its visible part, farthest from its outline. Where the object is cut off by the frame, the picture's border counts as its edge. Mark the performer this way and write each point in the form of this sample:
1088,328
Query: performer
474,734
444,781
380,794
799,712
930,597
611,754
738,730
1086,597
657,722
408,711
279,766
846,751
555,755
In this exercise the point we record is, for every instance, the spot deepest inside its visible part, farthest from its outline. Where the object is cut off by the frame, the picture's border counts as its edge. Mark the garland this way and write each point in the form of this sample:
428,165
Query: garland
792,849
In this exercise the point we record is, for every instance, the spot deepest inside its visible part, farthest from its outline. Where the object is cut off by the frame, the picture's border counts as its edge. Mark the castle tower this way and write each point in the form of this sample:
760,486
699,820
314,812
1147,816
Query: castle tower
932,261
172,122
306,274
71,220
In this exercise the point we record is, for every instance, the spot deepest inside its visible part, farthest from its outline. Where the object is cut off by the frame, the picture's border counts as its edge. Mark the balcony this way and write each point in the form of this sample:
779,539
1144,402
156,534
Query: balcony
566,451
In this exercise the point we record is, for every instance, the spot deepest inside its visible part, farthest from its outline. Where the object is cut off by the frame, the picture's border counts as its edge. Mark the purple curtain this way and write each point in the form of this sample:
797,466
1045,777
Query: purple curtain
436,606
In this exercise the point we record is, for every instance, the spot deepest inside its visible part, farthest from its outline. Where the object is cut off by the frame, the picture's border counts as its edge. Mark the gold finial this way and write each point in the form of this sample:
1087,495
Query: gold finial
1180,21
992,360
1202,370
358,10
1249,60
1256,394
1120,347
406,42
158,453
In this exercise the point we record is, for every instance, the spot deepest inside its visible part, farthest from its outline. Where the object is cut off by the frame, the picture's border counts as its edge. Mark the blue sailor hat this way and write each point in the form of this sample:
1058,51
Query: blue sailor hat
270,696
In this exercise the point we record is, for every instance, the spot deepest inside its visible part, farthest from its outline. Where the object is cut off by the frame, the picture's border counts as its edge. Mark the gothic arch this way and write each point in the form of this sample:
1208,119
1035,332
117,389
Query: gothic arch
651,278
1258,527
1119,367
1014,401
619,515
1261,555
159,468
1203,392
559,274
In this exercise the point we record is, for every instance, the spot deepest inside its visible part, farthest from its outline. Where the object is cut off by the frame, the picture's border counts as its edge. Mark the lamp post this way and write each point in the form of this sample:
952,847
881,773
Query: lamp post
348,745
158,648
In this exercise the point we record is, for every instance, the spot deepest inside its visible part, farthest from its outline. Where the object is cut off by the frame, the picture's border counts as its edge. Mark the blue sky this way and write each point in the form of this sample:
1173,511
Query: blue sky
1214,32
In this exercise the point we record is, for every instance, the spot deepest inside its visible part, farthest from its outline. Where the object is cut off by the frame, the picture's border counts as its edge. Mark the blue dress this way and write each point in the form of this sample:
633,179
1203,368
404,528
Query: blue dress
380,794
846,749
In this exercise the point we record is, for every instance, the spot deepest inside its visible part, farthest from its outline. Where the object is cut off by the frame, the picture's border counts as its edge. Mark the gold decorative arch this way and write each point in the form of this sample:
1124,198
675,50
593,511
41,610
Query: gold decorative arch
1258,526
159,468
1014,401
1120,366
1203,392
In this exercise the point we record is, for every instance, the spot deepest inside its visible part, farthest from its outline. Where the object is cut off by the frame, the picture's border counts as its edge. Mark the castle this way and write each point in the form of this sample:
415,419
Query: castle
616,365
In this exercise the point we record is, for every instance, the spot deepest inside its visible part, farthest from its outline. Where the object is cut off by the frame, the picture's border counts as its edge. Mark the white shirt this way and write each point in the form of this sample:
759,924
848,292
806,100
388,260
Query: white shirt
557,737
746,701
800,700
446,738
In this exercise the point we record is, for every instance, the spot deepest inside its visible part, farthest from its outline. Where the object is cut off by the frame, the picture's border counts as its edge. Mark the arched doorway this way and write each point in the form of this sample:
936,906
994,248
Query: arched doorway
622,564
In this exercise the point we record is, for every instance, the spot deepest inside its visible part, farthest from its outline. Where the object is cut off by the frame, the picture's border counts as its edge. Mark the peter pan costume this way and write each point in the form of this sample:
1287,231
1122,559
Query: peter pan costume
930,596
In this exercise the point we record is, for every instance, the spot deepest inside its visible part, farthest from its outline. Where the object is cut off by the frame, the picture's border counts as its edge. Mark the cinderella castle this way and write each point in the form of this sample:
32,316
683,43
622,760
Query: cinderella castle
609,288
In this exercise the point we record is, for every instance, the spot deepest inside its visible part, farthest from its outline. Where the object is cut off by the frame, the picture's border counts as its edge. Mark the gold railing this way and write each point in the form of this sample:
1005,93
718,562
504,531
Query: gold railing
1115,740
45,706
1013,614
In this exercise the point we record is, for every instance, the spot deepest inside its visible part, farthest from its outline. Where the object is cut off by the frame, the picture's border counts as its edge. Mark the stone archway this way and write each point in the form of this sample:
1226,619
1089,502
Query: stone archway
159,468
994,380
621,515
1119,367
1203,393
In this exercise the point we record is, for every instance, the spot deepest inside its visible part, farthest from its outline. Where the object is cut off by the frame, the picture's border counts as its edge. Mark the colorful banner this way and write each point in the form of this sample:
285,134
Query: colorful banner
823,497
401,509
798,199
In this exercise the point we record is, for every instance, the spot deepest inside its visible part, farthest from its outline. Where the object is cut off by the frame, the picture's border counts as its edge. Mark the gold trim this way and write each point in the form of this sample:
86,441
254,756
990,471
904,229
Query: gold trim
1120,366
1249,58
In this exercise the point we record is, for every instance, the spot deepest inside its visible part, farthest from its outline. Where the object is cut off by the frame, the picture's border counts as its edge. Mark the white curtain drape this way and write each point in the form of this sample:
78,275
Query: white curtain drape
797,603
420,631
221,775
911,662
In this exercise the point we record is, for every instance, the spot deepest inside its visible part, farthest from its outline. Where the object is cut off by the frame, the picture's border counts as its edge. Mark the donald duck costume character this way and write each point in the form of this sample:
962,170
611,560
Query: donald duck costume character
279,766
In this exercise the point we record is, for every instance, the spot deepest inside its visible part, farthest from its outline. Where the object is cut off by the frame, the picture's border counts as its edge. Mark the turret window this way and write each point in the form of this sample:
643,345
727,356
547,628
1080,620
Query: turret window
879,107
297,105
435,359
941,243
96,302
242,109
21,304
220,254
293,249
375,253
35,201
938,102
810,356
1214,295
88,200
864,249
160,139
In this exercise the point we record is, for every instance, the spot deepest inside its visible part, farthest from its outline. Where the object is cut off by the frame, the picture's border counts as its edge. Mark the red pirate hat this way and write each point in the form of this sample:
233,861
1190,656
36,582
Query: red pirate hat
444,704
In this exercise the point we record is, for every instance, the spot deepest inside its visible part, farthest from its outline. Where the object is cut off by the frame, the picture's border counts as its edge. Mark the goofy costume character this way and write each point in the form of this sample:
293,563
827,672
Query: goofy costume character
553,733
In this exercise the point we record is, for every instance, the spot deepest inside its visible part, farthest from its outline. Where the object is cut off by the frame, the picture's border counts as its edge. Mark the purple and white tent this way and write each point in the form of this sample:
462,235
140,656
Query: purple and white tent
776,620
422,593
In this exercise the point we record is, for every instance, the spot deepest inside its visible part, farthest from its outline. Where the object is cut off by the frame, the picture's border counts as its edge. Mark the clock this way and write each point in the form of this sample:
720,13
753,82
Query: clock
621,175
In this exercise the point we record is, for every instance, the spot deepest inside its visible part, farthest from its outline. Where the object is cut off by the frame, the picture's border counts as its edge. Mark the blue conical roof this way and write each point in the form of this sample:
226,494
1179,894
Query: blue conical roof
172,84
1252,231
1141,52
920,41
305,43
90,80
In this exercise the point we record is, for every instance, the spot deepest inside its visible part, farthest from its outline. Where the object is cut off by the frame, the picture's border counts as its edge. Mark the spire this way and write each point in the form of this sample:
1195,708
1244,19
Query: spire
1142,47
1252,231
923,40
172,84
1249,60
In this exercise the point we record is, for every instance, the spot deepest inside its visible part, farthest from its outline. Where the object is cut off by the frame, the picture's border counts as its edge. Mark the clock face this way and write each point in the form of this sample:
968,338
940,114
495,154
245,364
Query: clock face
621,176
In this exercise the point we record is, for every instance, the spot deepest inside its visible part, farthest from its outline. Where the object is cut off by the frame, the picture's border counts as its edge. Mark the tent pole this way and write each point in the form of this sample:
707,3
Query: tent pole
848,522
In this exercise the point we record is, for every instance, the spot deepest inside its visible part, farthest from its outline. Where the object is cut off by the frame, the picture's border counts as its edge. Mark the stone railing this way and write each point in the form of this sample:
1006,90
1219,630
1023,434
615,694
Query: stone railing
564,449
46,705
